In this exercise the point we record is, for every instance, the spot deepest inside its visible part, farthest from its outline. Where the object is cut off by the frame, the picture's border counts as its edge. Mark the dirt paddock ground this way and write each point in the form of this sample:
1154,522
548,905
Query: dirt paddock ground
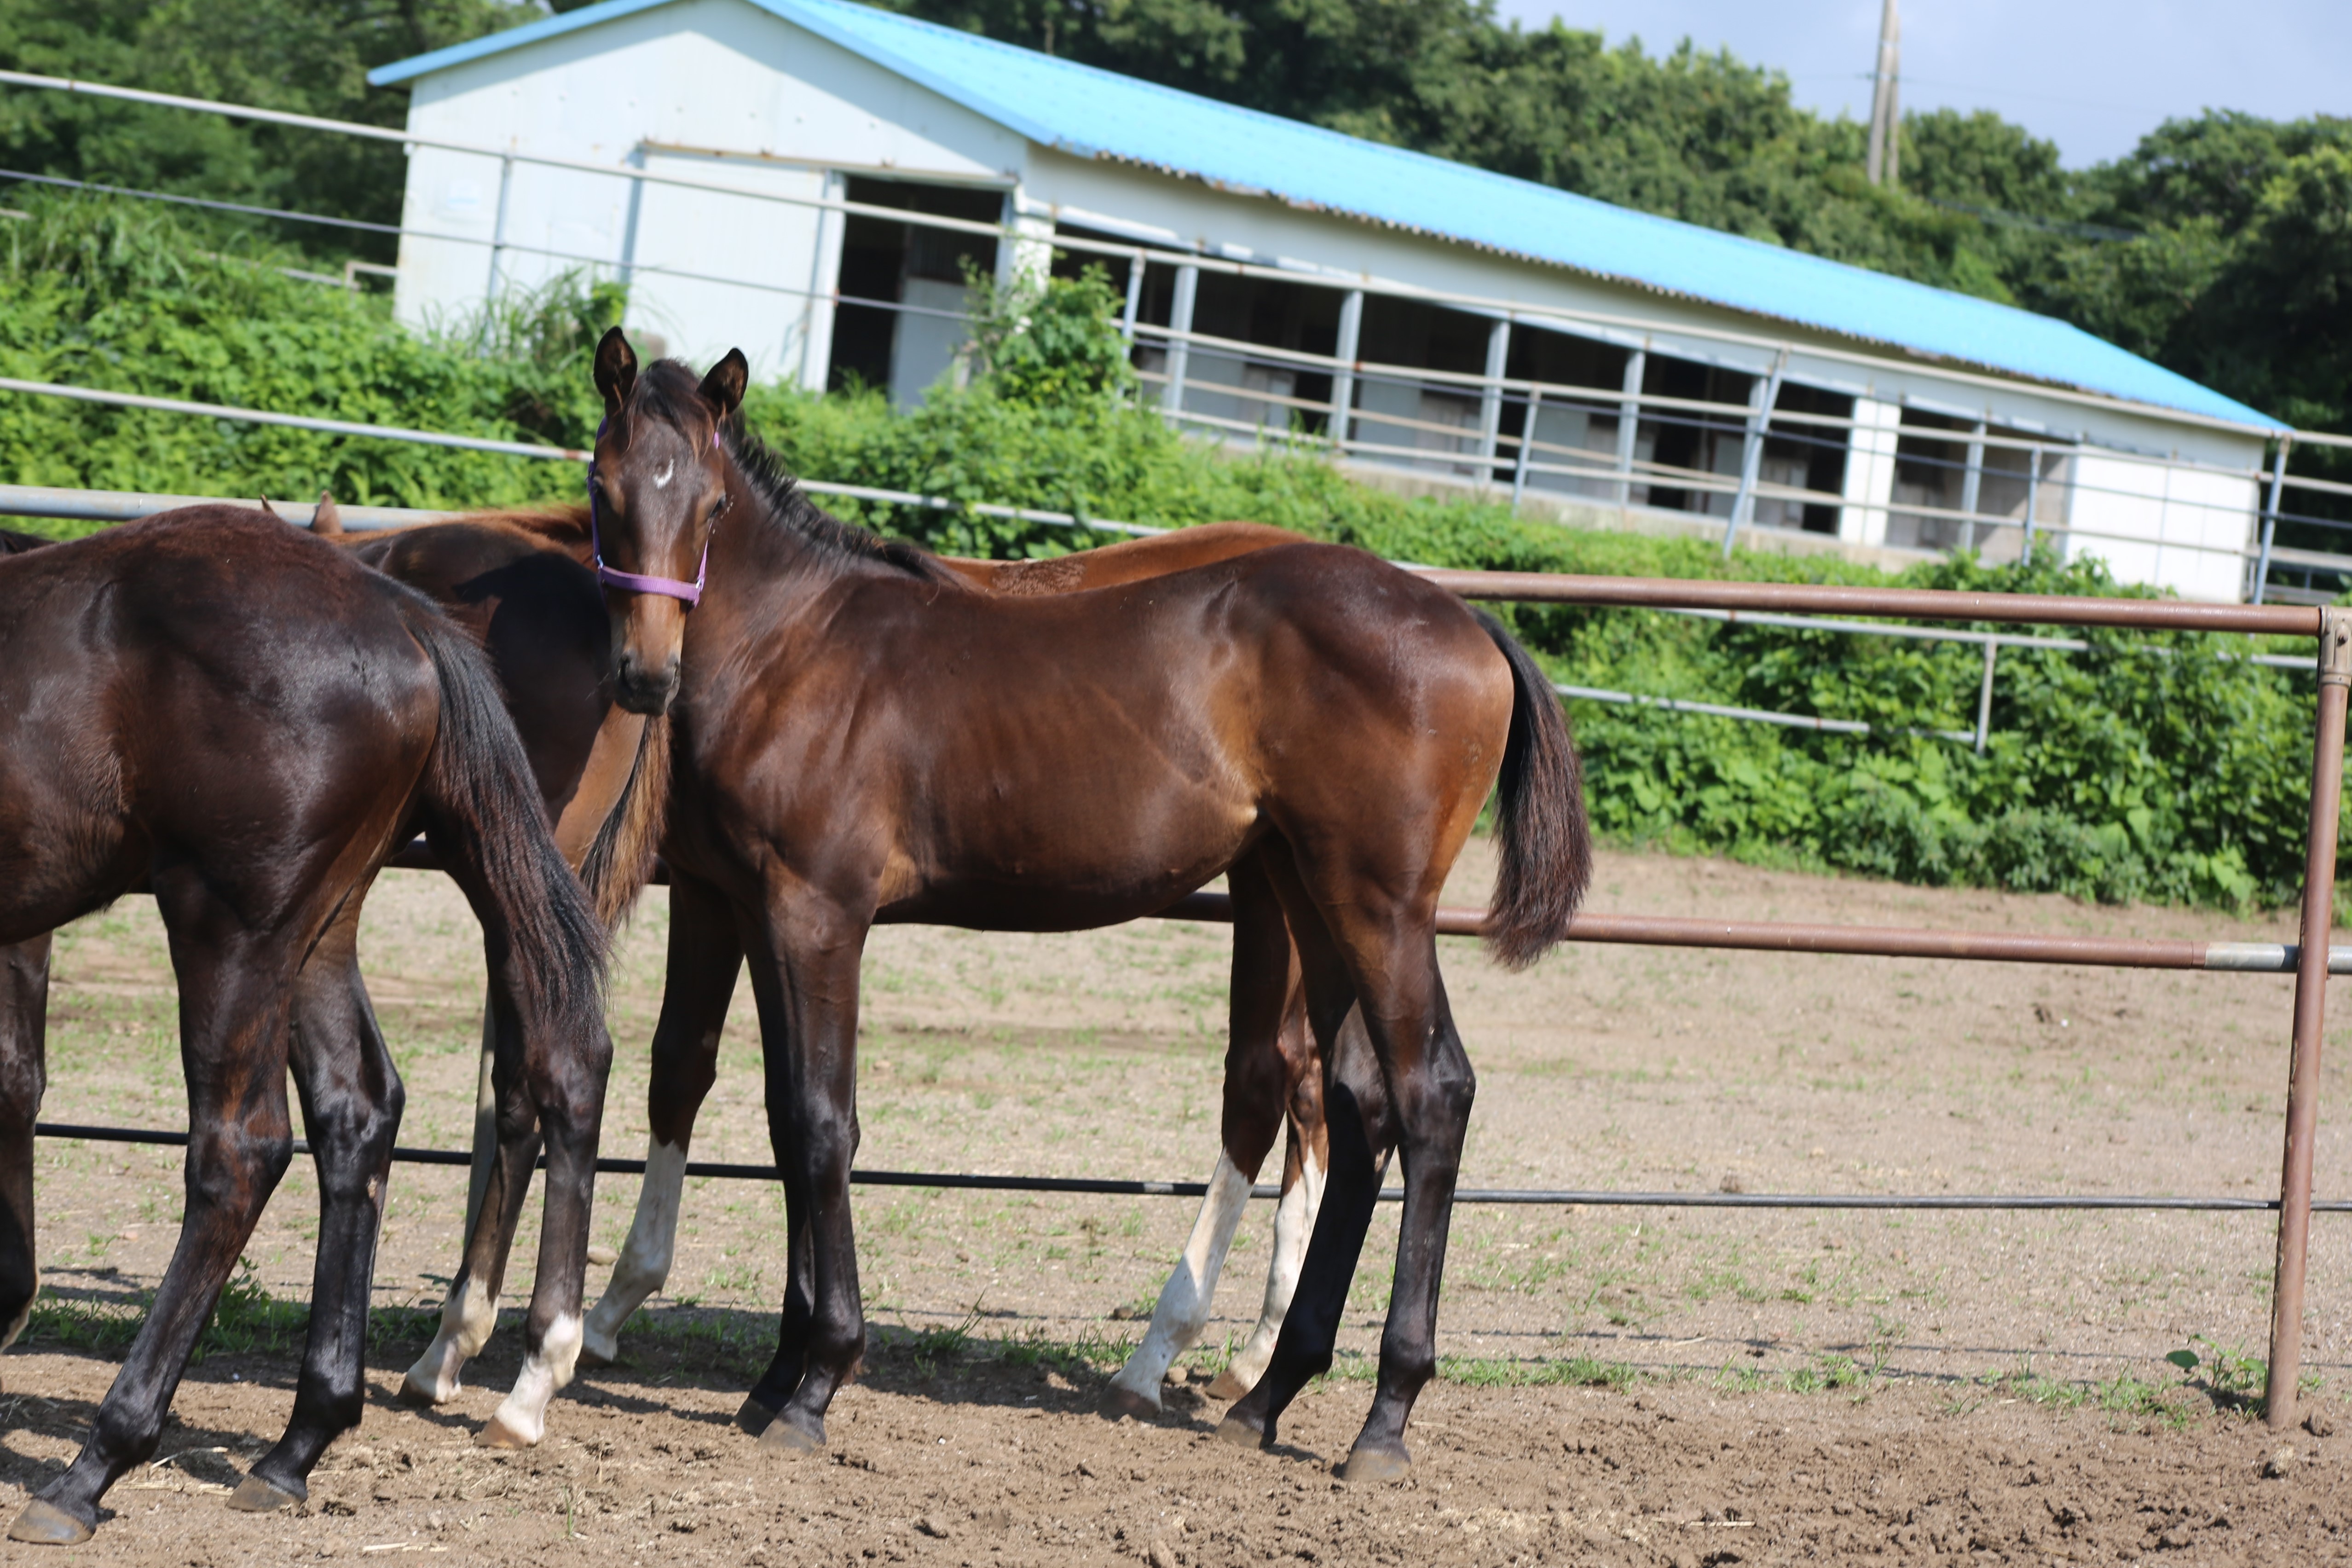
1627,1387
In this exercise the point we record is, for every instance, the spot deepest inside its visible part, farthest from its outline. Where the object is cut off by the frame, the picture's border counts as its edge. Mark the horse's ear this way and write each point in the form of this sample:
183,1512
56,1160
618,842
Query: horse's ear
723,387
616,370
328,521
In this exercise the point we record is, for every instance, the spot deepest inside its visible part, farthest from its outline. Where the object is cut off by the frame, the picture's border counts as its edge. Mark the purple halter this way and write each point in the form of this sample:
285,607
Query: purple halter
689,593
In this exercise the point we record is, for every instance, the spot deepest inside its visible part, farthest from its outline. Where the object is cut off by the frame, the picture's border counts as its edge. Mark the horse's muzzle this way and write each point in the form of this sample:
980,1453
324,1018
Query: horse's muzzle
642,686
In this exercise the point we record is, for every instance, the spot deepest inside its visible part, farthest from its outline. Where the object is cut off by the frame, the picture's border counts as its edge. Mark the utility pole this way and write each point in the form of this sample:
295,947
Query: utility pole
1885,113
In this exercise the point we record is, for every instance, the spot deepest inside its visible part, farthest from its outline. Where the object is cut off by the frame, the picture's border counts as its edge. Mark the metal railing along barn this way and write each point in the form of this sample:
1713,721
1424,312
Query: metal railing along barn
1972,484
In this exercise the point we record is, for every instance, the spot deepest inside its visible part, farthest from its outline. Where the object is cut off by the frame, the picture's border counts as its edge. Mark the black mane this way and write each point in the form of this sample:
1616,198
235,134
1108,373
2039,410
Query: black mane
666,389
14,543
790,508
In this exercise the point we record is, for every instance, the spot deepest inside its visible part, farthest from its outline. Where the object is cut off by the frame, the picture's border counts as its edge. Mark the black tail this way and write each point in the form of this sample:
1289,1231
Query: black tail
1547,844
487,824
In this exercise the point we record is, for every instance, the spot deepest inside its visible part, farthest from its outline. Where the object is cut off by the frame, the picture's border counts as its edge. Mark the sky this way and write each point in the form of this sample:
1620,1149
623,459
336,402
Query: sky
2090,74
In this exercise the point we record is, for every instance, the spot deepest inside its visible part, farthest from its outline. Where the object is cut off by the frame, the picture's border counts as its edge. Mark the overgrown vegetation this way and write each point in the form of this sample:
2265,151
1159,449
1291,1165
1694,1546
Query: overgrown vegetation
2148,767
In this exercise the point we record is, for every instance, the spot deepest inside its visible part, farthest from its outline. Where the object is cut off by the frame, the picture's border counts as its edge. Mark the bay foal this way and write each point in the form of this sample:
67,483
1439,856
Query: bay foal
859,736
212,707
1273,1085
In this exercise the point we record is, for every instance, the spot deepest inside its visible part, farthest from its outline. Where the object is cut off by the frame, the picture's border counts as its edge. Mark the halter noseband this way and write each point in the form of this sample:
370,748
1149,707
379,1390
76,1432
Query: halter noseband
689,593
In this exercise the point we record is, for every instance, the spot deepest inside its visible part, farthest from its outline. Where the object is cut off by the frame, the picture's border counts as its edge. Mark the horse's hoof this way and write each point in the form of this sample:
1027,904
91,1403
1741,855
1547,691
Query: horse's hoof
1240,1433
754,1419
1121,1401
44,1524
787,1437
594,1354
1228,1388
254,1495
414,1390
1369,1467
497,1433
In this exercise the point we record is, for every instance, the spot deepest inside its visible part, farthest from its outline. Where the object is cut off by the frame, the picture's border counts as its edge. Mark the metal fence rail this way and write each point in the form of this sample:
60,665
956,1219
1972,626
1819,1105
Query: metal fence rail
122,506
2311,961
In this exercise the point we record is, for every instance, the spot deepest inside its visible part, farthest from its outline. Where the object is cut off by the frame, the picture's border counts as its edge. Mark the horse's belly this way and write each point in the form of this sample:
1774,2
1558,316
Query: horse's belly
1013,906
1097,862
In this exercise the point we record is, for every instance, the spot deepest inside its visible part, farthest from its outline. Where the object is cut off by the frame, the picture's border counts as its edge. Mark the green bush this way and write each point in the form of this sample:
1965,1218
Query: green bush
114,296
2147,767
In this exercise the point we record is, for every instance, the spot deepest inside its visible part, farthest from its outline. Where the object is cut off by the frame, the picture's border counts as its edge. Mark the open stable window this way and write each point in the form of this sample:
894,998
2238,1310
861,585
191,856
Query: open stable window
1244,392
1572,434
1967,484
900,322
1694,440
1803,457
1400,416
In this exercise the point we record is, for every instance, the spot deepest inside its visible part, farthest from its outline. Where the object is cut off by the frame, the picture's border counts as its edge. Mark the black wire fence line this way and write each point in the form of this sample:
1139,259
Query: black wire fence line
1527,1196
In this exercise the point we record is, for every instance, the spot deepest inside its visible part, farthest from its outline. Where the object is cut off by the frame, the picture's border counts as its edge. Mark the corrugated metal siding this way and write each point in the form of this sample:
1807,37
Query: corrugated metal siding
1094,113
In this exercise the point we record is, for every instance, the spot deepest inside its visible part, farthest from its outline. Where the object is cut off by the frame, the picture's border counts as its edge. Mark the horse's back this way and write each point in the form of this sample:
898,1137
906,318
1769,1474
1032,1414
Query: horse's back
1115,748
209,675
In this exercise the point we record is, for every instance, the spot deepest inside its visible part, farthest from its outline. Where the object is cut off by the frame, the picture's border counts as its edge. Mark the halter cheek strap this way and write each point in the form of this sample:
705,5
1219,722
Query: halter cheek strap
689,593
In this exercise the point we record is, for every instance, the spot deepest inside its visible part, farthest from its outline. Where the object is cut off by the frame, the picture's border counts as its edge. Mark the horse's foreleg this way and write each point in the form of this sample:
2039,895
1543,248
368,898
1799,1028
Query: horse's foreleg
352,1100
233,1035
1182,1310
1256,1072
1293,1222
1306,1156
804,975
472,1310
24,1034
705,956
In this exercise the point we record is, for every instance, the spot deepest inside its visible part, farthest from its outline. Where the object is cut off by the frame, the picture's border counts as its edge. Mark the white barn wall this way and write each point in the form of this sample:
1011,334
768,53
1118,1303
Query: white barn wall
768,104
709,74
2163,525
1869,471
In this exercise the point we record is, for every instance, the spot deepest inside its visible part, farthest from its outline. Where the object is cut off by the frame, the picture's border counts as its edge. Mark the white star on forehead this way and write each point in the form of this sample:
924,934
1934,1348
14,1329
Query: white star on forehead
661,480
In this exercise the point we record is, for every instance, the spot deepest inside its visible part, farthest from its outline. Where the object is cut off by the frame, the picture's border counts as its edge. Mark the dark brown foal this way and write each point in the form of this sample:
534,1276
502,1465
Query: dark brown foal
244,721
1273,1089
860,736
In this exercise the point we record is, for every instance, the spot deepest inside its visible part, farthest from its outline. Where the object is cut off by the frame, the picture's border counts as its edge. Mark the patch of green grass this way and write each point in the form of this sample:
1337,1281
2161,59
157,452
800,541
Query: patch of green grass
248,1321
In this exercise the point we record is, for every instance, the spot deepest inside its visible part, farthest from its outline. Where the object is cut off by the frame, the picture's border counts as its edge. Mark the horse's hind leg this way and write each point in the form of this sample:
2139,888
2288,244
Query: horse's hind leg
352,1100
705,956
561,1079
24,1034
233,1033
471,1309
1390,953
1255,1086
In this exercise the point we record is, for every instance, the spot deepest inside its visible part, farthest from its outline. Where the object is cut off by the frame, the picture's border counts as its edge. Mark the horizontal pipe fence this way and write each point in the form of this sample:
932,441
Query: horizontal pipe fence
1482,446
2311,959
122,506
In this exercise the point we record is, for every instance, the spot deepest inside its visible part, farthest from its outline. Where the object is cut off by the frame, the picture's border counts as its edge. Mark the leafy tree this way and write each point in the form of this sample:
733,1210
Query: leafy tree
310,56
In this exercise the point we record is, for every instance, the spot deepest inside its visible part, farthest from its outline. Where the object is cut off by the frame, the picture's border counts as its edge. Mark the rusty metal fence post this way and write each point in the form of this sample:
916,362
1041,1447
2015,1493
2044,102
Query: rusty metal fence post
2310,1017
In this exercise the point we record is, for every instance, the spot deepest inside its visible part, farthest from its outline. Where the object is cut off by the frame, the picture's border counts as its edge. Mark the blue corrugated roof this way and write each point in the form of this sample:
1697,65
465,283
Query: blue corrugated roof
1099,114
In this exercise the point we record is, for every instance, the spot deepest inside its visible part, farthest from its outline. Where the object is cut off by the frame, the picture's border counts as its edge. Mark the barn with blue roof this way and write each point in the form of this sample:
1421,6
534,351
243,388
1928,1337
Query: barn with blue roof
813,179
